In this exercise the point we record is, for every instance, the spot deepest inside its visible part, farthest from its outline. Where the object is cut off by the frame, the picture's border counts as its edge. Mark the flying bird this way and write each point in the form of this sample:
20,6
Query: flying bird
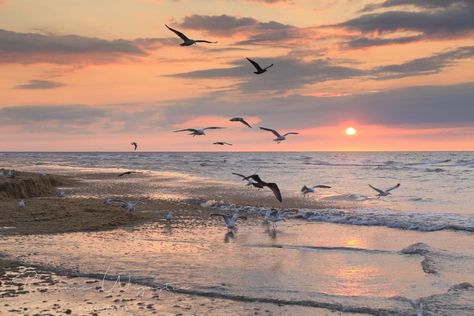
259,183
241,120
127,173
259,69
250,181
134,144
222,143
384,192
306,190
186,40
279,138
197,131
230,220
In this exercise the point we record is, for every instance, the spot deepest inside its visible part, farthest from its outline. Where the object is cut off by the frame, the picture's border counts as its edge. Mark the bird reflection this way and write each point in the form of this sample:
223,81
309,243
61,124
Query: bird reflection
228,236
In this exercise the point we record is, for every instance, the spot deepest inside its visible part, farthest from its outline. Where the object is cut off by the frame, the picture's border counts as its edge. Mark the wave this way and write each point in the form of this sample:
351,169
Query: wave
368,217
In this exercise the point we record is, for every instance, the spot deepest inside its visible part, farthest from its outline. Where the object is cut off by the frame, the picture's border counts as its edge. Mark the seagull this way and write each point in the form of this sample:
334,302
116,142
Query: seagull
230,220
187,41
275,216
61,194
241,120
280,137
197,131
260,70
250,181
134,144
384,192
222,143
108,201
305,189
21,204
129,205
259,183
168,216
126,173
11,174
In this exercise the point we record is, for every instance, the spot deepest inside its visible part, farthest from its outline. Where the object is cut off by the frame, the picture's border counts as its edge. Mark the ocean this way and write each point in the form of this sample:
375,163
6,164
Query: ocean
347,250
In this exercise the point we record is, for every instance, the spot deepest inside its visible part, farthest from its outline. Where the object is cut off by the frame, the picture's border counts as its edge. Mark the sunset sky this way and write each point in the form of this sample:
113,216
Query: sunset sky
94,75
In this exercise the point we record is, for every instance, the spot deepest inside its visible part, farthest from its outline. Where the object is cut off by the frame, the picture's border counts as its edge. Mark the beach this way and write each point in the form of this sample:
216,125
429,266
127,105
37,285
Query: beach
335,256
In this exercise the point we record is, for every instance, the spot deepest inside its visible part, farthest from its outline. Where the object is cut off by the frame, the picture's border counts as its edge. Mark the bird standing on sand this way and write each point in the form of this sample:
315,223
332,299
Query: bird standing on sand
230,220
384,192
186,40
135,145
222,143
280,137
306,190
198,131
241,120
21,204
259,69
129,205
168,216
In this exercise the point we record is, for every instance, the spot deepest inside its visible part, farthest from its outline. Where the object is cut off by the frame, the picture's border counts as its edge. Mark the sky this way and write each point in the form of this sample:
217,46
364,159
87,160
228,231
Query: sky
88,75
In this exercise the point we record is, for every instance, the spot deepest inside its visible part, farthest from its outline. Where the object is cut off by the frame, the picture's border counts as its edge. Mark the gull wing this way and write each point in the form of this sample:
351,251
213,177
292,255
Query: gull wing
213,127
393,188
254,63
322,186
276,190
124,173
291,133
240,175
204,41
271,130
255,177
187,130
268,66
181,35
304,188
245,123
378,190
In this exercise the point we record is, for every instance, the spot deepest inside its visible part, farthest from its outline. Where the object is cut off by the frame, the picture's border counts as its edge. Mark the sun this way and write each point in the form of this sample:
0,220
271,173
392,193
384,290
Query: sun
351,131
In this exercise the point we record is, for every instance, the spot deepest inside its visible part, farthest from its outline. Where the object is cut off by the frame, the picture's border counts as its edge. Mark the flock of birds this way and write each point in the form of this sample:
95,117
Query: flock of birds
253,180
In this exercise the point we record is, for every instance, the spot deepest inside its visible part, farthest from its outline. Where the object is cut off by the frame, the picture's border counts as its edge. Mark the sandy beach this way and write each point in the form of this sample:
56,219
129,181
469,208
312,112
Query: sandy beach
75,255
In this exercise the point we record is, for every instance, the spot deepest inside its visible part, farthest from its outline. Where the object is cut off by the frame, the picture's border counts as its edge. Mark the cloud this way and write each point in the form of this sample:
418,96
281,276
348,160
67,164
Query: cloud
40,85
288,73
26,48
435,20
424,66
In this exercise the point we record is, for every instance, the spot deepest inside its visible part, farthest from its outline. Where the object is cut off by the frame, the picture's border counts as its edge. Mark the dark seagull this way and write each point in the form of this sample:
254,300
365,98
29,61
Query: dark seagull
241,120
135,145
259,183
222,143
384,192
186,40
127,173
260,70
250,181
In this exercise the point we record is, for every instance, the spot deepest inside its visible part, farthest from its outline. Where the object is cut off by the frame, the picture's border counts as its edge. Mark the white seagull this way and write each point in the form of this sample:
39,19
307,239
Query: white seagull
21,204
280,137
384,192
168,216
198,131
186,40
305,189
241,120
275,216
230,220
259,69
129,205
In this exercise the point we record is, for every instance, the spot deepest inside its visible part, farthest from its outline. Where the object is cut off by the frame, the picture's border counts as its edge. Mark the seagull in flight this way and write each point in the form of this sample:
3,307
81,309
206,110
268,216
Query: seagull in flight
259,69
250,181
186,40
127,173
129,205
384,192
241,120
230,220
279,138
134,144
259,183
222,143
197,131
306,190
